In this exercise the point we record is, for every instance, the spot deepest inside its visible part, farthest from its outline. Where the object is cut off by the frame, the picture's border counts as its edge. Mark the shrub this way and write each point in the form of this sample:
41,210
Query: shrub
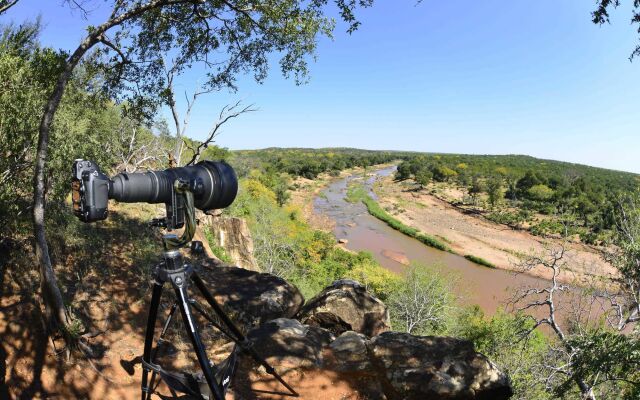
422,302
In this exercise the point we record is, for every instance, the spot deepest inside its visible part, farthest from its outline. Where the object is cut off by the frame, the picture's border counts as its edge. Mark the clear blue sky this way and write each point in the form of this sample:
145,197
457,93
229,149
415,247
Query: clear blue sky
489,77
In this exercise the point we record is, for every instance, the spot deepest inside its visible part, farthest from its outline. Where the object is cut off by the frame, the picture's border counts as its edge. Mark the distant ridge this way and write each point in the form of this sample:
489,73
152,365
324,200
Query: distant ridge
503,158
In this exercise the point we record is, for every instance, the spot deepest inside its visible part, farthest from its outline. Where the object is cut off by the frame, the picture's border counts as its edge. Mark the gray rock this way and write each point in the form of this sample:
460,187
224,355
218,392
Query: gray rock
251,298
346,305
288,344
348,353
429,367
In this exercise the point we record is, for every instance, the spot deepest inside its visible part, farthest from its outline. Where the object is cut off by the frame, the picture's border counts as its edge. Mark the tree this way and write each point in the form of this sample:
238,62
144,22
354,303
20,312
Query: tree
422,302
499,337
475,189
546,299
442,173
594,357
138,147
601,16
227,113
5,5
403,172
540,192
625,303
423,177
132,42
494,190
526,182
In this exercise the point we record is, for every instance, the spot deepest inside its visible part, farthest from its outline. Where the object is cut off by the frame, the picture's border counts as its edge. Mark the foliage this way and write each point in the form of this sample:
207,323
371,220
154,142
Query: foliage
540,192
374,209
606,355
355,192
532,185
500,337
423,177
288,247
494,190
422,302
377,280
479,261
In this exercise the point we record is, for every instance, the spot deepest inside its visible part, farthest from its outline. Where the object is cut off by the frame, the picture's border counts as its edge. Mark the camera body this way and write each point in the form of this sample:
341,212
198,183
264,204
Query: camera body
90,191
214,185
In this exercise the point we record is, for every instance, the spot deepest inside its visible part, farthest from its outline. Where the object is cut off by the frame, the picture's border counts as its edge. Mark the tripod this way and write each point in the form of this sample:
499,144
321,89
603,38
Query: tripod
179,275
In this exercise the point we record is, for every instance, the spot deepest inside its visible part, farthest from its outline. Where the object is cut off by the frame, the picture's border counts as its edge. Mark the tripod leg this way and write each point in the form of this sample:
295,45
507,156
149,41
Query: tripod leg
241,340
148,339
156,350
203,360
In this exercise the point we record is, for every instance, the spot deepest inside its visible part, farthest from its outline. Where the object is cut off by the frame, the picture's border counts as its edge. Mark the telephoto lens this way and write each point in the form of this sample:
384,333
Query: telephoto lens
218,188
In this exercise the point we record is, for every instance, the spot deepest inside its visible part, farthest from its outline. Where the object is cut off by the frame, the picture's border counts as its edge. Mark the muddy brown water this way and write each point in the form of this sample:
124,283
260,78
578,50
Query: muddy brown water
489,288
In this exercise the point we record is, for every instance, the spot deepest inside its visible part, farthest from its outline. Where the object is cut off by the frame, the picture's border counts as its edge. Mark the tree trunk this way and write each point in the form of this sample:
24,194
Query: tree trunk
55,311
586,391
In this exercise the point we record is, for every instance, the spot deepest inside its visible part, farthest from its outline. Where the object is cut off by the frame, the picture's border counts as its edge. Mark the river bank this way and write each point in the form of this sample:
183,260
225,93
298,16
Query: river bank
467,233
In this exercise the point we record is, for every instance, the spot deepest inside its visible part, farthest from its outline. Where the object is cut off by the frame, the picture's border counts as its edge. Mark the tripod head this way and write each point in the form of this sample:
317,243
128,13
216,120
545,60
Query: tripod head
180,209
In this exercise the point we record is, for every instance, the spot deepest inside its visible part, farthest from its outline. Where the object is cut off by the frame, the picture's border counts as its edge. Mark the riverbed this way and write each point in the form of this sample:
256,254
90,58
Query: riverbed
487,287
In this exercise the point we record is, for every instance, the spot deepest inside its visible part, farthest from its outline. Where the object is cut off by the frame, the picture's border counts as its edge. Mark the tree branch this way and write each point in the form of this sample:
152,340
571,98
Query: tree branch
227,113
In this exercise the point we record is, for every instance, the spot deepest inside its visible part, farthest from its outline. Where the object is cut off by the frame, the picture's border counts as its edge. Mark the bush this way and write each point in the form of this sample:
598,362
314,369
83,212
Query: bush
547,227
423,302
379,281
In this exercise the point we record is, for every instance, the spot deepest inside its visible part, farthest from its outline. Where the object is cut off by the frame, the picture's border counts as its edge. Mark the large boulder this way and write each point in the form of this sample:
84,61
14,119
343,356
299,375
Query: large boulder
429,367
287,344
344,306
251,298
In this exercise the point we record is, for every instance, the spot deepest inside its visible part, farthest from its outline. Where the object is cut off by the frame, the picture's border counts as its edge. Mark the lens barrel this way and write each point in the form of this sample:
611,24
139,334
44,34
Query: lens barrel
219,185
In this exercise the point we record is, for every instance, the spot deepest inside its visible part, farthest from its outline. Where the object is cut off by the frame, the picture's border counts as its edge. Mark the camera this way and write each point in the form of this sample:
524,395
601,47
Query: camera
214,185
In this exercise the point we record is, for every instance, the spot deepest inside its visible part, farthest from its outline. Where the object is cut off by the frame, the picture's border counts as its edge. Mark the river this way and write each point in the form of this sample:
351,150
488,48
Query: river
489,288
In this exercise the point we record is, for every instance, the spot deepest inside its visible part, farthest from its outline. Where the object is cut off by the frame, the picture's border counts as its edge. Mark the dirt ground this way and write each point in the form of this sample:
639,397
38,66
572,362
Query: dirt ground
467,233
31,369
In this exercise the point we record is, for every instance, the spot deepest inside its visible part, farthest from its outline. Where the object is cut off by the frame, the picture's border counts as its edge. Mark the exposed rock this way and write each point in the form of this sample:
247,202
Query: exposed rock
343,241
346,305
396,256
328,321
288,344
348,353
429,367
249,297
233,235
199,236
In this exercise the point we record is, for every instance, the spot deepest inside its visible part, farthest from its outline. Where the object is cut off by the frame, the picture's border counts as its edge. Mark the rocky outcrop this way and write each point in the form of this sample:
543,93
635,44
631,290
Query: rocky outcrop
346,330
232,234
251,298
394,365
430,367
346,305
